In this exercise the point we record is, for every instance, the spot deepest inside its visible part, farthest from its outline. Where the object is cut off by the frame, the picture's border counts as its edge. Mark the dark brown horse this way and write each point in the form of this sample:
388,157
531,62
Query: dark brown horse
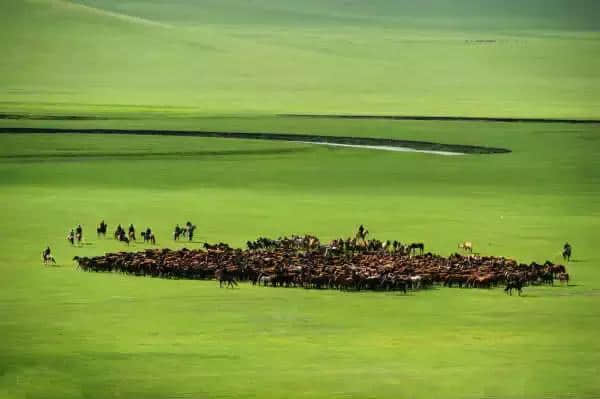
514,285
412,248
225,277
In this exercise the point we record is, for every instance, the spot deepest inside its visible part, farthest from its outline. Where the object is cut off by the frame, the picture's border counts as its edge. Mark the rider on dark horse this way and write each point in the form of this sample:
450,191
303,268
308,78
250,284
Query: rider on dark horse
361,231
177,231
79,231
118,231
46,253
190,230
132,231
567,251
71,237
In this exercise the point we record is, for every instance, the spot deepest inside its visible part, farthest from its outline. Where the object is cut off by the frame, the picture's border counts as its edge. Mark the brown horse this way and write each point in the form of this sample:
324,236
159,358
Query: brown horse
225,277
563,278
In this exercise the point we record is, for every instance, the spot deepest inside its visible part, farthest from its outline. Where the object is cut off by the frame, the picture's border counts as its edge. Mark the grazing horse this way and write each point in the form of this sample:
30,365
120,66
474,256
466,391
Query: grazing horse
466,246
514,285
225,277
412,248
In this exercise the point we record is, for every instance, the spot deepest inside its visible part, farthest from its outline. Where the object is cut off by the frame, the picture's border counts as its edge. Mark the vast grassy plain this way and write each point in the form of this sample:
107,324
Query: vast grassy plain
232,66
336,56
72,334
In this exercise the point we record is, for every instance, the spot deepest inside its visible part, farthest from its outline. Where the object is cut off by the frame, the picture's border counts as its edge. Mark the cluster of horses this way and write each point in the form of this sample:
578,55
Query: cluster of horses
75,236
183,232
294,242
288,262
126,236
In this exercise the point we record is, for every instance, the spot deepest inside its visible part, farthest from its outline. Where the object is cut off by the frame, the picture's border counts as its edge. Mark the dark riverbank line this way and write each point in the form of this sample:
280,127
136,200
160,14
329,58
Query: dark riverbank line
443,118
311,138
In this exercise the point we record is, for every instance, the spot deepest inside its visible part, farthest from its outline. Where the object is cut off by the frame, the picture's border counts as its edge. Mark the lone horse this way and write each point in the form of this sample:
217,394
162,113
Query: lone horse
225,277
514,285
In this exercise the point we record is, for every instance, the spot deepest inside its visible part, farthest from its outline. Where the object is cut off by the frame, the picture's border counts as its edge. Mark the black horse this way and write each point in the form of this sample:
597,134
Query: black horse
412,248
123,238
514,285
225,277
148,236
177,232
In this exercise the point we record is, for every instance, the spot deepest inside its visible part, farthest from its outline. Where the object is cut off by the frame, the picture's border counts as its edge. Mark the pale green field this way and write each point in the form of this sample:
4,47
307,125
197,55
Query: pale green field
339,56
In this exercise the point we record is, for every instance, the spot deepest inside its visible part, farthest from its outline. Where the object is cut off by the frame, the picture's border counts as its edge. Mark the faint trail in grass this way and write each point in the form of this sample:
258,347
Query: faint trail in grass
150,155
98,11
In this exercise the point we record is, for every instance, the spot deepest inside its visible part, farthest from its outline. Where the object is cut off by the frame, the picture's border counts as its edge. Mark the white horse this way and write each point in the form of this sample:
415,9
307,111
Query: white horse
47,259
466,246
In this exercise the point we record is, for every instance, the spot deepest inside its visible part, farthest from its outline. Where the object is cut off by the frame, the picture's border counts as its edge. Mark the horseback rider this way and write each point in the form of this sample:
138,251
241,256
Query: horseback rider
190,230
46,253
71,237
566,251
118,232
79,231
361,231
131,229
177,231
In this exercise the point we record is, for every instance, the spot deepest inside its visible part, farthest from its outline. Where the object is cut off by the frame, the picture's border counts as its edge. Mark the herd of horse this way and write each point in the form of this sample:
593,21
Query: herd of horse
301,261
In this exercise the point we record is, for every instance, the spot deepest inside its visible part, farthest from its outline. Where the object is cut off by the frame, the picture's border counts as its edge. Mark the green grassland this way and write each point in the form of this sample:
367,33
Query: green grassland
72,334
339,56
233,65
